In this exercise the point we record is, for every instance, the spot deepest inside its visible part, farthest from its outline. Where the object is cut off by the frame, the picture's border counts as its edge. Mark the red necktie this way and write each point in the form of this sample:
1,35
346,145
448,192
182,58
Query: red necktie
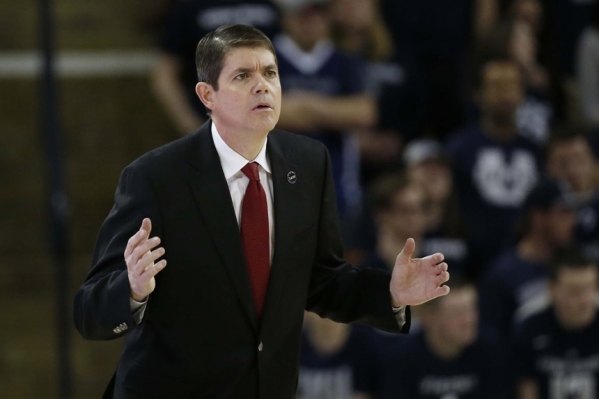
255,236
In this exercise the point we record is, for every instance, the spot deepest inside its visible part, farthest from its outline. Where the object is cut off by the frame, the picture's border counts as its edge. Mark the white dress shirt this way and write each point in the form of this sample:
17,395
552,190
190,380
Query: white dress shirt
232,163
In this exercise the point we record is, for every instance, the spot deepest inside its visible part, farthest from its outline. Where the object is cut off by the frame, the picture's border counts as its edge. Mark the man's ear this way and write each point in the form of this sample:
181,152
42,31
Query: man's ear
204,92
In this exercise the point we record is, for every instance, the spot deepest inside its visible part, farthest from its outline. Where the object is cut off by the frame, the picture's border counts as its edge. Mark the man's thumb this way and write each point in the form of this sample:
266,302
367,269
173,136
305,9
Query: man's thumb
408,250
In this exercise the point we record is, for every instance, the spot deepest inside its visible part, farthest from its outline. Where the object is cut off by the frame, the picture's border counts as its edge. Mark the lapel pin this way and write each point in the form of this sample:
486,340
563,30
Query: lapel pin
291,177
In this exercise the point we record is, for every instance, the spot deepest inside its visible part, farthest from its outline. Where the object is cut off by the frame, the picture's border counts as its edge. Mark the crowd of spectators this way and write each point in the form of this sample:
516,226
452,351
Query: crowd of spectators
468,125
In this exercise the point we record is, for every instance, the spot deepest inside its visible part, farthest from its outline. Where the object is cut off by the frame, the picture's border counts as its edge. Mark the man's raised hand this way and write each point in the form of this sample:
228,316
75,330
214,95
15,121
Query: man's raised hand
140,257
415,281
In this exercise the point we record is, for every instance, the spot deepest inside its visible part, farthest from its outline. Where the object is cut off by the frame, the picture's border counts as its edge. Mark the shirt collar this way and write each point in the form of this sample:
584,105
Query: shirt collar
231,161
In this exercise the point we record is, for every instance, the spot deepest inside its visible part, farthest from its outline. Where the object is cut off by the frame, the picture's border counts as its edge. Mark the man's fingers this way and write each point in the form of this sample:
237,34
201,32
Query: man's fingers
442,277
134,242
142,233
442,290
140,251
149,258
442,267
146,225
154,270
146,261
432,260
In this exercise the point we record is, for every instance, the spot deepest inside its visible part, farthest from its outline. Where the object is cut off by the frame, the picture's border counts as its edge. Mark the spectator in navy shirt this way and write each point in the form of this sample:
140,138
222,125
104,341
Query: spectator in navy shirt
514,39
448,358
494,167
359,29
324,97
571,160
516,283
337,361
558,349
175,76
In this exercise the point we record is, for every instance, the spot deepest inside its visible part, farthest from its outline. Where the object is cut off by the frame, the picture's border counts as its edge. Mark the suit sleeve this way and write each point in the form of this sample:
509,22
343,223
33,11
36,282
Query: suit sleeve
102,308
338,291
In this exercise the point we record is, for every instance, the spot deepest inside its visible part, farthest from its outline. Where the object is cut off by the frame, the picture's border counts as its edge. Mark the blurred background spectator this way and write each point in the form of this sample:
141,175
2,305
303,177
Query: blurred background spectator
358,29
324,97
515,284
447,358
571,160
514,39
557,349
338,361
450,117
494,167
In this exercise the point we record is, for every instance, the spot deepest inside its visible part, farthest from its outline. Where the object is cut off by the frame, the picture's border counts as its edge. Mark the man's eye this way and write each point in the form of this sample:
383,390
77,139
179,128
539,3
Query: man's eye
271,74
241,76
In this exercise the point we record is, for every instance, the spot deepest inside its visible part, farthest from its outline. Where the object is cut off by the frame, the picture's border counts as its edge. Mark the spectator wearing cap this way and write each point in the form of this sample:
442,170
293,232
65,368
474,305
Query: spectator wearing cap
324,97
174,78
557,349
427,165
515,285
571,160
494,167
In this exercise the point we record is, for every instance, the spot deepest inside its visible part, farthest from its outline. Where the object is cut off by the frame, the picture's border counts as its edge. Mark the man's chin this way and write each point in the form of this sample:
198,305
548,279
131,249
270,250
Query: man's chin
268,124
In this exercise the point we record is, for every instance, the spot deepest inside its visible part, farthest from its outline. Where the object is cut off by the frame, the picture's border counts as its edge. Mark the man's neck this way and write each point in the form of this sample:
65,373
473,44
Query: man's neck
248,144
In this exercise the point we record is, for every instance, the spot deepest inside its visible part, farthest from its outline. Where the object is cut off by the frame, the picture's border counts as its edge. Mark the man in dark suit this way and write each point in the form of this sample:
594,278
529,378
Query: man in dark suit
248,217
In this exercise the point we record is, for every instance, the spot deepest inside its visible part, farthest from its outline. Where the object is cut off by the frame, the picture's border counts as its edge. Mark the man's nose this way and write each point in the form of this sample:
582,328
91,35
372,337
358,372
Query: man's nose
261,85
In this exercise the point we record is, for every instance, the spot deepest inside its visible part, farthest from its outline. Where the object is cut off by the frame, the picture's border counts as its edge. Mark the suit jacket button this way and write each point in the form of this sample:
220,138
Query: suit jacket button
260,347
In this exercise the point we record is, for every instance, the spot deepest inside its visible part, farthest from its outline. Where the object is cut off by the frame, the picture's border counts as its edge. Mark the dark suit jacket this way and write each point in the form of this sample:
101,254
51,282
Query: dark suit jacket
200,337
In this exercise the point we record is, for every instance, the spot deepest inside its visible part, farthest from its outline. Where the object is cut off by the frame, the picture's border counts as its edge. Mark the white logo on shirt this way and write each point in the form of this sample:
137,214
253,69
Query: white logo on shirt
501,182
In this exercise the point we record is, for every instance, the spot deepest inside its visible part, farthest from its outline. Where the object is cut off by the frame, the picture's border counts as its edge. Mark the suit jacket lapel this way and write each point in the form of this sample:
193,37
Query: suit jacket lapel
212,194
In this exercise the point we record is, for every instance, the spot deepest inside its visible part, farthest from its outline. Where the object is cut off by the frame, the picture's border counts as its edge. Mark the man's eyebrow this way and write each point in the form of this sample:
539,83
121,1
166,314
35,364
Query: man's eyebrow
242,70
268,67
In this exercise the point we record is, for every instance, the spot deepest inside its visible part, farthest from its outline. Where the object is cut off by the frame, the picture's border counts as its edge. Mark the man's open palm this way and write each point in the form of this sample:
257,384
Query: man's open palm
415,281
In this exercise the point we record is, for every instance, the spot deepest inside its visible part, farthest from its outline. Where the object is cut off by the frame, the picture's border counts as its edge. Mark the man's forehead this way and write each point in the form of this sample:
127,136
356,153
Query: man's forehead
248,57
